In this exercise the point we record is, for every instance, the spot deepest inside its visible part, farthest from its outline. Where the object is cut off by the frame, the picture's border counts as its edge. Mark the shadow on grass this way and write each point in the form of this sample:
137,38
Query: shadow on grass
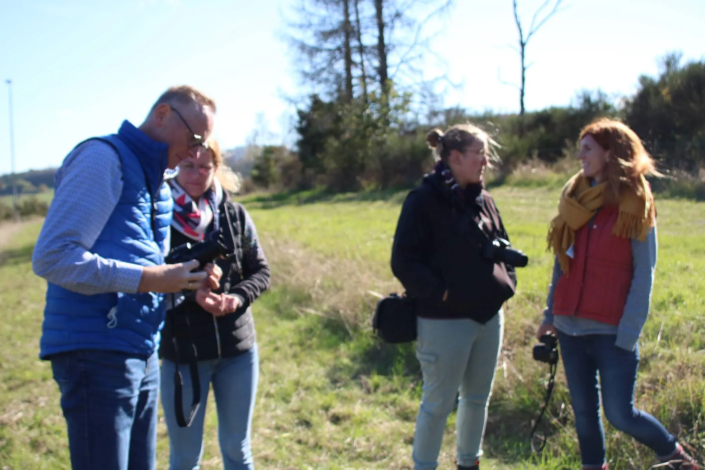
17,256
366,360
510,420
508,431
297,198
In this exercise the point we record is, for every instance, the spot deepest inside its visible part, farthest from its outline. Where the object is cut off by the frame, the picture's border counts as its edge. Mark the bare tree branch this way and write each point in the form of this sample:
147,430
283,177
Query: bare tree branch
419,30
532,31
503,82
537,13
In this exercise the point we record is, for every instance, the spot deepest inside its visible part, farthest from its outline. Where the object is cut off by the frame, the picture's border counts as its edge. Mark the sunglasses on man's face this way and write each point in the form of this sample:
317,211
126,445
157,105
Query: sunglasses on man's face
196,139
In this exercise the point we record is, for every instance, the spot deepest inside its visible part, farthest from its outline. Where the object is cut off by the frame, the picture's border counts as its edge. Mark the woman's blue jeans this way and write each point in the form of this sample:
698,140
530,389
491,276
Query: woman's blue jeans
234,382
583,358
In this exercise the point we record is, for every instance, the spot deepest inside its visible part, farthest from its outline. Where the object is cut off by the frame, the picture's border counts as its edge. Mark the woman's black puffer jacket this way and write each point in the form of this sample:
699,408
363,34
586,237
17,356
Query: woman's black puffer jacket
190,332
436,249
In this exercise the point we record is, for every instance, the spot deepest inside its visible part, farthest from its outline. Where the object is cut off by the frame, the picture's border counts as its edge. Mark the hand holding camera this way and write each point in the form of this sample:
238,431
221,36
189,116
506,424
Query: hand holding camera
216,304
219,244
547,351
170,278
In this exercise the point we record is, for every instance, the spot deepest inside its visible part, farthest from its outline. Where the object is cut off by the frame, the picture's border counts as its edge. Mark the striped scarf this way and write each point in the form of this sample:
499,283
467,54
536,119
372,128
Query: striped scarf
193,218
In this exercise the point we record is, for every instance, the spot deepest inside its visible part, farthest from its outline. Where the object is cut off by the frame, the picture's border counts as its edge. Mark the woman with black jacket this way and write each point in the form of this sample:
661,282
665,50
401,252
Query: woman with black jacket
437,256
216,333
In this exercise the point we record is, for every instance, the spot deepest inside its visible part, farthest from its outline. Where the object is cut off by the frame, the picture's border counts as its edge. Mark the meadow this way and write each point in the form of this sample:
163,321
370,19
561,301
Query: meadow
331,396
45,196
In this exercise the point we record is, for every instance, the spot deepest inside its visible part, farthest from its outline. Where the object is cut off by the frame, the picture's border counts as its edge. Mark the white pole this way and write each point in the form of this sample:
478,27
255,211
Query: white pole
12,154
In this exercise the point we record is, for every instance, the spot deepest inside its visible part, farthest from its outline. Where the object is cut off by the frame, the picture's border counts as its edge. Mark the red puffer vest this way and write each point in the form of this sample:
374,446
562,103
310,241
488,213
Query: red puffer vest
600,274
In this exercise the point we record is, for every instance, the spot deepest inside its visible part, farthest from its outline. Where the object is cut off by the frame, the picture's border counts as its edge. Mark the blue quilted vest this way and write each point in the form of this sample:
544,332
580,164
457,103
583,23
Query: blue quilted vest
136,233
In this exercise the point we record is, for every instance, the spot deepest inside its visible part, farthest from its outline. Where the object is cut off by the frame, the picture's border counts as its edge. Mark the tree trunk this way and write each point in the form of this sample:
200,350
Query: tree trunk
522,89
347,27
381,46
361,52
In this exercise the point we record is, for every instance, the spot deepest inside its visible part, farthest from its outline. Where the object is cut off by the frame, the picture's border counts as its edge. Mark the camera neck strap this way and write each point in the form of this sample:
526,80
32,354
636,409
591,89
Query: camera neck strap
549,393
468,223
231,233
181,420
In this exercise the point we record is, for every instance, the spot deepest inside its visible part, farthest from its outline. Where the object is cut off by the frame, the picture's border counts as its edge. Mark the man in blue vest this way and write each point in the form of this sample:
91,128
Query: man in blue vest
101,250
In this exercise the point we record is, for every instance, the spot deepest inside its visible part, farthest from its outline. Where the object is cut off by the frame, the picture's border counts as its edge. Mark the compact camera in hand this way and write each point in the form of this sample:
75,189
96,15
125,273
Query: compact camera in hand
500,250
547,351
219,244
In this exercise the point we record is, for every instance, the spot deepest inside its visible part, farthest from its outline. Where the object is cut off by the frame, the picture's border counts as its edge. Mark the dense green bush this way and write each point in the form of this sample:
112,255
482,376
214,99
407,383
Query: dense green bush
26,206
668,113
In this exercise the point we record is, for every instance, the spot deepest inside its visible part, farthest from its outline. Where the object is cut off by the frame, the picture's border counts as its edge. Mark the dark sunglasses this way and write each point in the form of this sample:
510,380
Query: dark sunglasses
197,140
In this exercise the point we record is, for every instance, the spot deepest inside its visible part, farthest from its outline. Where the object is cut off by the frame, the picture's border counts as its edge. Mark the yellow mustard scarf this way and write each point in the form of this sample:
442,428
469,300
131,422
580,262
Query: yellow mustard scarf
579,203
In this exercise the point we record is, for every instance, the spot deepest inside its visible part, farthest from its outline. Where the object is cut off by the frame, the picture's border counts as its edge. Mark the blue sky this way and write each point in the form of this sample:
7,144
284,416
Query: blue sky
79,67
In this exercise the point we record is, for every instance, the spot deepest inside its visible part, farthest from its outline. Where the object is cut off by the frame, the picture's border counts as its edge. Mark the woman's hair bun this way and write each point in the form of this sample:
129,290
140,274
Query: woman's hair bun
434,137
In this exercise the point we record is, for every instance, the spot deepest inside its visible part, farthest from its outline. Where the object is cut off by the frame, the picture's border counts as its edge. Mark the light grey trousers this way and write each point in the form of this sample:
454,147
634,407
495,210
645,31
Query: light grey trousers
455,356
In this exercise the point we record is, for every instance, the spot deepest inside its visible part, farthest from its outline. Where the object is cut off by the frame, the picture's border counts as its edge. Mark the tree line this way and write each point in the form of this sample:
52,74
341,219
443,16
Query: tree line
364,121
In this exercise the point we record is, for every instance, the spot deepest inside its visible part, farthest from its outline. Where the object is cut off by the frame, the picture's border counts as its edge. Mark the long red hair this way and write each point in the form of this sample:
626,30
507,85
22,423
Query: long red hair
627,159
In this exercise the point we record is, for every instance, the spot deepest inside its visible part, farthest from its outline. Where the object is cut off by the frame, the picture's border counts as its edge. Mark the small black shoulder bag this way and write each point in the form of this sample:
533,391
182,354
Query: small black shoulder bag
394,320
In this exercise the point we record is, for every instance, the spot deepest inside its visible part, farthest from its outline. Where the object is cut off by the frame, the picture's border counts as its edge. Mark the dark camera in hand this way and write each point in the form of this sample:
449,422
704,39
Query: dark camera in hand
547,351
217,245
500,250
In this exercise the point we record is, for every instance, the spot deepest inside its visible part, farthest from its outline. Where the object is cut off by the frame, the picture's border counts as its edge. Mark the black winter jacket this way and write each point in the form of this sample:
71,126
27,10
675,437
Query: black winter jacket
201,335
436,249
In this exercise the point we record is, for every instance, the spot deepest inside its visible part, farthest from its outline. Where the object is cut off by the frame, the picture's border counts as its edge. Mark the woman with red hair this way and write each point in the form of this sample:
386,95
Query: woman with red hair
604,240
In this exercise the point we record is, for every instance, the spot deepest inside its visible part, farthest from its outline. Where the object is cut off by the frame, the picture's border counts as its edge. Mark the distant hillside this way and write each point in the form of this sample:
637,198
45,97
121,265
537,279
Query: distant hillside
29,182
38,181
240,159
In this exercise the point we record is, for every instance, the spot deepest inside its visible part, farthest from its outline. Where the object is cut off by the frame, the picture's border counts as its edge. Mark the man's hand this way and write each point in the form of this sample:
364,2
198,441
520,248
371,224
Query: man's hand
168,278
217,304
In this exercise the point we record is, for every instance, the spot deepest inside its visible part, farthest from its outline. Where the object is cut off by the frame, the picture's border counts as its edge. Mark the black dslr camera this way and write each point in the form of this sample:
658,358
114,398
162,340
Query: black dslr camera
218,244
547,351
500,250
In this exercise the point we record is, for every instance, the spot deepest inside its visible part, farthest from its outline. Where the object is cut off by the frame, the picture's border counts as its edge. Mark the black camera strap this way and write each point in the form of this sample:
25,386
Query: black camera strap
232,237
178,394
468,224
179,380
549,393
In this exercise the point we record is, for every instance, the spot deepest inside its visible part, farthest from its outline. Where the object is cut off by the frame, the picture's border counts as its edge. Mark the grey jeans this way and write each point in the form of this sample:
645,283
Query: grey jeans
455,356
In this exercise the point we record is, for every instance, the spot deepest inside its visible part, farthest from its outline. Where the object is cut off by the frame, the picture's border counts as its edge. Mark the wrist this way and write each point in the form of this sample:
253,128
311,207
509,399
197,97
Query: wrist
231,302
146,283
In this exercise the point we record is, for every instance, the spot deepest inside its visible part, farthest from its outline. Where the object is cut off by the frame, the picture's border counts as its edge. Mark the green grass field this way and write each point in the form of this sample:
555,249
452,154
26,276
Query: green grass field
330,395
